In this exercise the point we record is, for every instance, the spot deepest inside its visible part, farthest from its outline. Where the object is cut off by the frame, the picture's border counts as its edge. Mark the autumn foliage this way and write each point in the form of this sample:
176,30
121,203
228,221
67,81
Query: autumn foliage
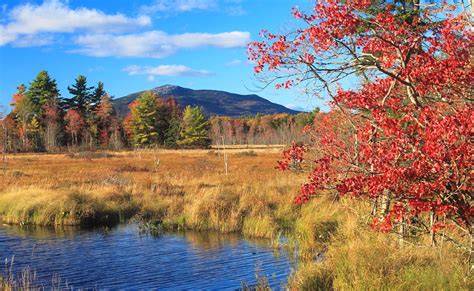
74,124
402,137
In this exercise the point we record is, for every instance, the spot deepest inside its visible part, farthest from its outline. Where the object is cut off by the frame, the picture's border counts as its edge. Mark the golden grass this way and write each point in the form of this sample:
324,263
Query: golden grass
188,189
178,187
357,258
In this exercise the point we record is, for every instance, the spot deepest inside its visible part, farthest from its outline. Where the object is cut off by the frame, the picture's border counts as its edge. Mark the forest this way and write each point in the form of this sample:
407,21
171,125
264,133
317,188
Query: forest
42,120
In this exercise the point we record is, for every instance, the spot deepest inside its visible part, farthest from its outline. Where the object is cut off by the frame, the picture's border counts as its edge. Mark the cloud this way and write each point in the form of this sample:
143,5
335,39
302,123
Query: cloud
33,40
54,16
178,6
236,10
155,44
165,70
235,62
296,107
166,7
223,40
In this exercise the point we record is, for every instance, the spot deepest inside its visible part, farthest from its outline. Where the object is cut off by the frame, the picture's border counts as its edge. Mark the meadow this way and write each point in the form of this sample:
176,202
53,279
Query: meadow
176,190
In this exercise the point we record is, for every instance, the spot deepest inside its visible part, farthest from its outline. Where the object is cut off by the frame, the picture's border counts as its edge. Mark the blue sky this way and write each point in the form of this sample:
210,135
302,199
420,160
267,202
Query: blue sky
138,45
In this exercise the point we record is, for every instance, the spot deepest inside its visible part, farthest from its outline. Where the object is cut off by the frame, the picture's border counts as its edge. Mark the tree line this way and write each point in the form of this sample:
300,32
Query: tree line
42,120
279,128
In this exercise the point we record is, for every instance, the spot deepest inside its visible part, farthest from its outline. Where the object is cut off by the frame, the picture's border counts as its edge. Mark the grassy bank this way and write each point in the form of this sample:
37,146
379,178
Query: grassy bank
189,190
178,188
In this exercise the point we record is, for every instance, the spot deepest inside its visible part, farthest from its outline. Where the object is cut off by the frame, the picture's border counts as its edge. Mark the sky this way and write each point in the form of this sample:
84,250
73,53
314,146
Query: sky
138,45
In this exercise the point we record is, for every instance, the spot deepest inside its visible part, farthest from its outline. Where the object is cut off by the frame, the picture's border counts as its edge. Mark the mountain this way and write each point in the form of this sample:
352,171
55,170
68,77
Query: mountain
214,102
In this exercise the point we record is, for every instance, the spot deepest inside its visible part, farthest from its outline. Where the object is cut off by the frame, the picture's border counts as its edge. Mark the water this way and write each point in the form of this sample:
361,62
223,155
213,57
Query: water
123,257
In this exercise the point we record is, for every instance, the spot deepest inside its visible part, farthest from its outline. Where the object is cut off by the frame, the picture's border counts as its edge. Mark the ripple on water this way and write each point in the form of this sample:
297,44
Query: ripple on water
125,258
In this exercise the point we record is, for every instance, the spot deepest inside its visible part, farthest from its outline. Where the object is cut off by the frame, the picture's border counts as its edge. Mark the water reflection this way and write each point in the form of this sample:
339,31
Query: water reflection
122,257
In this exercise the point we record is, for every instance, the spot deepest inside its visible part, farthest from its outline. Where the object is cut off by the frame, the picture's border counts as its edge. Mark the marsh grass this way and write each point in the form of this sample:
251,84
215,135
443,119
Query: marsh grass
190,191
250,153
27,279
356,258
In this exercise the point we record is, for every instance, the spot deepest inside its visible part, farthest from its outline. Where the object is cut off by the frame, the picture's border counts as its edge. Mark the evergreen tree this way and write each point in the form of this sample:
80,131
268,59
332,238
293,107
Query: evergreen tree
96,96
145,119
42,90
172,132
195,128
42,93
36,132
81,95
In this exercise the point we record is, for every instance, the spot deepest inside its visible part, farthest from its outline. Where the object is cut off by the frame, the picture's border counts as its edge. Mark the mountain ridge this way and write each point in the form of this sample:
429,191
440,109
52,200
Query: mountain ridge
214,102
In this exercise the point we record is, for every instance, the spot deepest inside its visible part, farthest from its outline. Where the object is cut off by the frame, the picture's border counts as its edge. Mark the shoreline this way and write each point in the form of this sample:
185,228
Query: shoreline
189,190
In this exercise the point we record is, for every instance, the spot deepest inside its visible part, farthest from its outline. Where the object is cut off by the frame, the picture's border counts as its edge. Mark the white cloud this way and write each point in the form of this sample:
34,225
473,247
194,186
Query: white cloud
295,107
148,44
223,40
235,62
178,6
155,44
236,10
165,70
166,7
33,40
54,16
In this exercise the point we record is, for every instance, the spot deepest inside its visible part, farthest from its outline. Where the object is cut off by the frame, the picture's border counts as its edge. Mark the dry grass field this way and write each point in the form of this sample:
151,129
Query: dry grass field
188,189
95,188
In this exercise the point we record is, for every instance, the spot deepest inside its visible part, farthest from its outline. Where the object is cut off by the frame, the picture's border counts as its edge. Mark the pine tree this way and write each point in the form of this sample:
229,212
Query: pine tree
42,93
145,119
195,128
172,132
42,90
96,96
36,130
81,96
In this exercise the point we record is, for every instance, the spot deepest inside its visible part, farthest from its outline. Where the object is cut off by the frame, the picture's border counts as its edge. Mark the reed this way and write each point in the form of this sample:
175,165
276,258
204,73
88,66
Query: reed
188,189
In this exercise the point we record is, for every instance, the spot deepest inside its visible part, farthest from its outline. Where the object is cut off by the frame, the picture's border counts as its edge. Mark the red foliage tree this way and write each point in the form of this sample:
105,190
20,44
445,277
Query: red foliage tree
74,124
406,144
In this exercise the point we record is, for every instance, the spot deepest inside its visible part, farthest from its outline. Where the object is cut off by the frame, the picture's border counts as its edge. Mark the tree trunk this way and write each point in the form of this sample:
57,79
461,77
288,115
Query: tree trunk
385,203
470,265
401,233
432,232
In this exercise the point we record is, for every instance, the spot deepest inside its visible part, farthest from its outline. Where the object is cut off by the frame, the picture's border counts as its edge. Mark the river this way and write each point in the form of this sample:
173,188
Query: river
123,257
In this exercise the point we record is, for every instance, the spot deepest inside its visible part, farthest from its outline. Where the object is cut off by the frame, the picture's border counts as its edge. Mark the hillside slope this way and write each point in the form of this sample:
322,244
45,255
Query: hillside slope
214,102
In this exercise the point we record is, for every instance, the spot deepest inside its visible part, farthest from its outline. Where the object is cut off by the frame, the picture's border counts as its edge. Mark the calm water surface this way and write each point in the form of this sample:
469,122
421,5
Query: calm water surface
122,257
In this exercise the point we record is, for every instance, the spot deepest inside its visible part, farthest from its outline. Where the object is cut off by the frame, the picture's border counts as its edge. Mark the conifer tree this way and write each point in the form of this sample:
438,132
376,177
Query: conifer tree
172,132
144,119
81,95
42,94
96,96
195,128
42,90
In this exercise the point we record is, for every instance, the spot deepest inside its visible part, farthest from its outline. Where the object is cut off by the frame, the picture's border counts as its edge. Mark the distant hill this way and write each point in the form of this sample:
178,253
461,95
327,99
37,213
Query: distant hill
214,102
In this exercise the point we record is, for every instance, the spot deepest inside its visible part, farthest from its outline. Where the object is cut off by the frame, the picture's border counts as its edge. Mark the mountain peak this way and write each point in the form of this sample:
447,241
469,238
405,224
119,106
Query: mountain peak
214,102
165,88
